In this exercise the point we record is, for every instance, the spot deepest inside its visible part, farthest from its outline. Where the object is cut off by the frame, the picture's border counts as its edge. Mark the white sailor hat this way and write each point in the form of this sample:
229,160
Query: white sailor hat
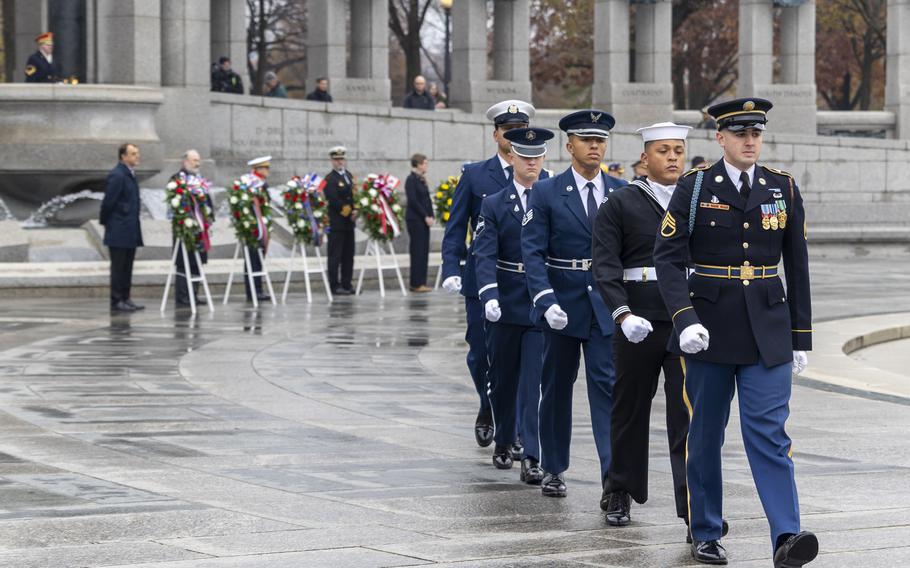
262,161
337,152
529,142
511,112
664,131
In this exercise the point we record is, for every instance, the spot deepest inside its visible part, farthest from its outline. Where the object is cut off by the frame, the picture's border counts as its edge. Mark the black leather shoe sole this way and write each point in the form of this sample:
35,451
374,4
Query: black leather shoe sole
502,461
800,550
618,519
724,529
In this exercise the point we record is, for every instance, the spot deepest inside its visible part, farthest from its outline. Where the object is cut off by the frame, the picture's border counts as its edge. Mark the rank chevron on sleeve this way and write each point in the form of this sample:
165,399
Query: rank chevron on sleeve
668,226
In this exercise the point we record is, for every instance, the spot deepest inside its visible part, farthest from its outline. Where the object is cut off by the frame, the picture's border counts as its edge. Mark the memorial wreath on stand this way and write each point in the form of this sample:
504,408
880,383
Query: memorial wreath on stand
251,210
442,199
306,209
190,210
378,207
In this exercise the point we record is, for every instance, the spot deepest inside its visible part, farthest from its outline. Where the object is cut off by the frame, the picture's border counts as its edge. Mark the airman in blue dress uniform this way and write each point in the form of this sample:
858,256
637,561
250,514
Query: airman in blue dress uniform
736,327
478,180
514,344
556,250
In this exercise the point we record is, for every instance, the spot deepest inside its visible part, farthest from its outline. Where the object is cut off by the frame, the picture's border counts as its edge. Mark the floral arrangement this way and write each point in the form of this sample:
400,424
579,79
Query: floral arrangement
305,207
190,210
442,199
251,210
378,207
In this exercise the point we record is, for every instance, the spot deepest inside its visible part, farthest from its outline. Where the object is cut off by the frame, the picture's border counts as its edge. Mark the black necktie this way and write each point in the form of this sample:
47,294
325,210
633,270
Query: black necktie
527,198
592,203
745,190
508,173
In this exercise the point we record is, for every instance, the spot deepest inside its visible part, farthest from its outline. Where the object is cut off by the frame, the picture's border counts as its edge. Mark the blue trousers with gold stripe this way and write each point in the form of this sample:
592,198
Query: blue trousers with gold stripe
764,396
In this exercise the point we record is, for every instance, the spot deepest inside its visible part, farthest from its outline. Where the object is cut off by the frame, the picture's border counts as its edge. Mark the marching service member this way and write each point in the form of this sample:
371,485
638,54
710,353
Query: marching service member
736,327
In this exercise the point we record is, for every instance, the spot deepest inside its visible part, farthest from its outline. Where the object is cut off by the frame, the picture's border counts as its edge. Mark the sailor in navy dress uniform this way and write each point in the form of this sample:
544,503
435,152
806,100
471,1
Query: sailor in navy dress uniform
624,233
737,328
514,344
478,180
556,250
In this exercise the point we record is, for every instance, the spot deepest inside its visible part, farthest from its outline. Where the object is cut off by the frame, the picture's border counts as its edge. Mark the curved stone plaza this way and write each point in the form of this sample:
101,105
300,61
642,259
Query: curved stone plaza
340,435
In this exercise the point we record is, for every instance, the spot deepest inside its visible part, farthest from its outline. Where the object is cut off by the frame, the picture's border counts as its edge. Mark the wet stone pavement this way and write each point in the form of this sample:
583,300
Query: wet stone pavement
341,436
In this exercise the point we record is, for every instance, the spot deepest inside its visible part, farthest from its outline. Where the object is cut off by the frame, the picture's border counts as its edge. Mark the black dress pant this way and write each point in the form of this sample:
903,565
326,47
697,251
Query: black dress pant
180,284
341,255
121,273
638,367
254,266
419,249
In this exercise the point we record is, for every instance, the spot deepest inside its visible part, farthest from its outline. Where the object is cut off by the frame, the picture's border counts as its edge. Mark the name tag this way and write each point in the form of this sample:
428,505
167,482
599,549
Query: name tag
721,206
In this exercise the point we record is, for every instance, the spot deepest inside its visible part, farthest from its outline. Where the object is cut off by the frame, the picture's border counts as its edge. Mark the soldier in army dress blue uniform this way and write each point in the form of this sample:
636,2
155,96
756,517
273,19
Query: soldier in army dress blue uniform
556,250
479,180
736,327
41,67
514,344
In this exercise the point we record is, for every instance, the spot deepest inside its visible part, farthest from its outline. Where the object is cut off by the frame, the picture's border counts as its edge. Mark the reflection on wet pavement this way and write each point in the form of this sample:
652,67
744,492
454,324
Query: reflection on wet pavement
341,435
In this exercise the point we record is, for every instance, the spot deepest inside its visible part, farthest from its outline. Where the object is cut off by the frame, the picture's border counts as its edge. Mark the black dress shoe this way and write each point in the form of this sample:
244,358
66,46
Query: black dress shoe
483,427
797,550
134,305
122,306
502,459
263,297
348,291
709,552
201,302
517,450
531,472
618,507
553,485
724,529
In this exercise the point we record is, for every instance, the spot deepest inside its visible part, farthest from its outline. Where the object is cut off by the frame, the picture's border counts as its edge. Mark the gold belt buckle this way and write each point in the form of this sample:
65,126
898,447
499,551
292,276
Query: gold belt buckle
746,272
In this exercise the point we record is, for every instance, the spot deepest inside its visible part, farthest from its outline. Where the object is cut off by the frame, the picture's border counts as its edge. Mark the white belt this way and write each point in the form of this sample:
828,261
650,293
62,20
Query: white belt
640,274
644,274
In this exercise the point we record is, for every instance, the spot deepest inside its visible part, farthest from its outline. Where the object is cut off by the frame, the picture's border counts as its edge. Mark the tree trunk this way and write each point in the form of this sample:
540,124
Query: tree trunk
412,53
262,53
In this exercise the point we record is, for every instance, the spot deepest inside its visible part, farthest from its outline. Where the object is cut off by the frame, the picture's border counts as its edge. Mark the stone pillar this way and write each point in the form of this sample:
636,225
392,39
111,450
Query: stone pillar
471,89
794,97
228,36
185,44
650,98
367,79
756,34
653,51
897,71
129,42
30,20
511,35
183,118
326,49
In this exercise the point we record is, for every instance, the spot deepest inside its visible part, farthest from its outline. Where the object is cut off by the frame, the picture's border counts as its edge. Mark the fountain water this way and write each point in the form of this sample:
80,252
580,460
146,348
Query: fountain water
5,213
52,208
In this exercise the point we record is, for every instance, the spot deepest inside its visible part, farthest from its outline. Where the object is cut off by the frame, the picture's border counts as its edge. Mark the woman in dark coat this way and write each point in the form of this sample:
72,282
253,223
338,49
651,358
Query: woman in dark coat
419,218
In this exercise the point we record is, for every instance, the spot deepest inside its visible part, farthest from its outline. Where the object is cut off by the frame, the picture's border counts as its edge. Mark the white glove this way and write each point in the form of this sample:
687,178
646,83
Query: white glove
694,338
492,311
557,318
800,362
452,284
636,328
